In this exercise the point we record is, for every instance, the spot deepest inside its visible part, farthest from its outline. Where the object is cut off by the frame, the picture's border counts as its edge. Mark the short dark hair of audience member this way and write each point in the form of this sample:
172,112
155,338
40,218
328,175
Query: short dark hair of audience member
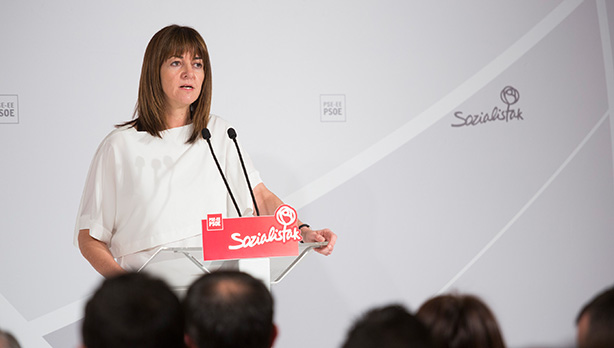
229,309
460,321
596,321
390,326
133,310
7,340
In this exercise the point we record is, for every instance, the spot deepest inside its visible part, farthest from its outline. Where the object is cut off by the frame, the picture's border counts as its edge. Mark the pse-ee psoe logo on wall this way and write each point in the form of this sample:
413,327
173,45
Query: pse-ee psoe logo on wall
9,108
332,108
509,96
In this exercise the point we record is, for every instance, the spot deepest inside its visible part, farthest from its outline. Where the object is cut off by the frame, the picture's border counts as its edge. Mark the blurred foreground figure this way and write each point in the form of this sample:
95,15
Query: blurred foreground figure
133,310
229,309
596,322
460,321
388,327
8,341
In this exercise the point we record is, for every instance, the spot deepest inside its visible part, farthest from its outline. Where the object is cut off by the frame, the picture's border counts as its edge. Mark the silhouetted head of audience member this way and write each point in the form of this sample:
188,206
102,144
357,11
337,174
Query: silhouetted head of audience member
133,310
388,327
229,309
460,321
7,340
596,322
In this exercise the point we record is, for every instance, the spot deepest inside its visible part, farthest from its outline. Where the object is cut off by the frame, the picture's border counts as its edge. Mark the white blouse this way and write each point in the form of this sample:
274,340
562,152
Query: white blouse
143,192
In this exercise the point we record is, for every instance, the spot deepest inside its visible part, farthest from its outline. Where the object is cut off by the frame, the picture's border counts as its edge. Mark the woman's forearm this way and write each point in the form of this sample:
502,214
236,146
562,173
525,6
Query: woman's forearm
97,253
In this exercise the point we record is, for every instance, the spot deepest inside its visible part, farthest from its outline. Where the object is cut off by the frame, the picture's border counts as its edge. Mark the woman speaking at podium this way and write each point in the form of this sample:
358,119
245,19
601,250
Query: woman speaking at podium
153,179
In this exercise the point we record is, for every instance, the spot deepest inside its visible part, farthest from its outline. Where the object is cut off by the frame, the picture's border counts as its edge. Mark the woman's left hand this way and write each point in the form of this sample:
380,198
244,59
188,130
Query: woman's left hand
324,235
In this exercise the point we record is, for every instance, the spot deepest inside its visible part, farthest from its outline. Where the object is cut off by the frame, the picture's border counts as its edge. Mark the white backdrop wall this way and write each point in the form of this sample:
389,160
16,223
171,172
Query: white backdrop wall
518,211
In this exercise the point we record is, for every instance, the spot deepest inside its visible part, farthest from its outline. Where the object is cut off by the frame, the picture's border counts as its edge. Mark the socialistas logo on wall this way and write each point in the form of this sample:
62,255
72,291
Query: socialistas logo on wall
509,96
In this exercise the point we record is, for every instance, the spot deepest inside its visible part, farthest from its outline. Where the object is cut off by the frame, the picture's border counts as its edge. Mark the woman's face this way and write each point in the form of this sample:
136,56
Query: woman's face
182,79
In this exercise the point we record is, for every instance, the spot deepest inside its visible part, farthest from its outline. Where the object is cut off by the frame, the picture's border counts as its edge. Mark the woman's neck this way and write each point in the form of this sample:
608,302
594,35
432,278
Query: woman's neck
177,118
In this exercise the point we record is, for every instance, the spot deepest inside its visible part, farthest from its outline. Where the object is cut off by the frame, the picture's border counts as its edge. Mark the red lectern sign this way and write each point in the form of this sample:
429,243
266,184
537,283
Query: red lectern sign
251,237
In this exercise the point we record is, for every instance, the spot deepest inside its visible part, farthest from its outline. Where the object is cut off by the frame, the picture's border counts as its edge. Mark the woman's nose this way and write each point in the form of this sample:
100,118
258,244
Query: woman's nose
188,72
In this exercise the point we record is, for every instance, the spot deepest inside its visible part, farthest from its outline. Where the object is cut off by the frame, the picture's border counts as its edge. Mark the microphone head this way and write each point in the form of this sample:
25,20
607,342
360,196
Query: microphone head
231,133
206,134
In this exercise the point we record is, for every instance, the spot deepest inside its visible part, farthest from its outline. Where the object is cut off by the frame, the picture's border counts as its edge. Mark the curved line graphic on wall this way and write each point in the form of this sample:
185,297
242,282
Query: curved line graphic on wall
433,114
608,60
526,206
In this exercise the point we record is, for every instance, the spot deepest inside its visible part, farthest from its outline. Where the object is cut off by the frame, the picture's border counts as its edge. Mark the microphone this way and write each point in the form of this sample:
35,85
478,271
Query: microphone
207,136
233,135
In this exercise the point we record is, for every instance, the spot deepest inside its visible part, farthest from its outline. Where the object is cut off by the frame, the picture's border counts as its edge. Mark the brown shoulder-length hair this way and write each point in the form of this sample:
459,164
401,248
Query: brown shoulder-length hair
173,40
460,321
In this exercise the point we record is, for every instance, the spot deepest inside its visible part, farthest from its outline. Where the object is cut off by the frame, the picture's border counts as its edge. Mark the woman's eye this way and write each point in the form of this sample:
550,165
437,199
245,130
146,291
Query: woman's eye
198,65
175,63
